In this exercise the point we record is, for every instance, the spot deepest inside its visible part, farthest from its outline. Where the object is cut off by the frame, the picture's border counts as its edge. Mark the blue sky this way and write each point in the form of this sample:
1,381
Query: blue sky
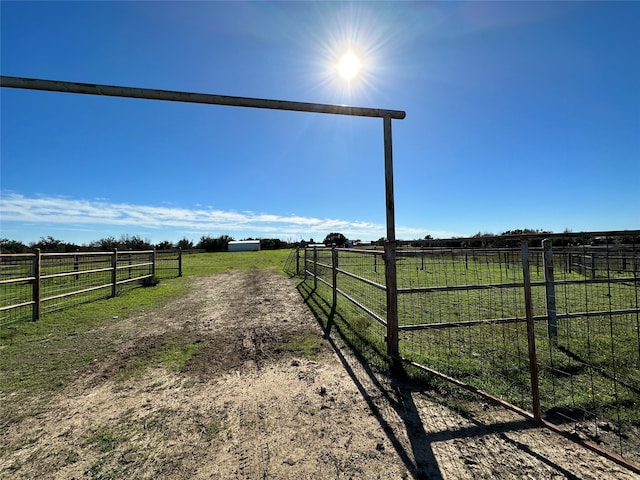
519,115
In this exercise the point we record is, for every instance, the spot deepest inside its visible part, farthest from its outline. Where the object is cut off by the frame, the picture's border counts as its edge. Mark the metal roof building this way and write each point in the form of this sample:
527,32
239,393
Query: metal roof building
244,246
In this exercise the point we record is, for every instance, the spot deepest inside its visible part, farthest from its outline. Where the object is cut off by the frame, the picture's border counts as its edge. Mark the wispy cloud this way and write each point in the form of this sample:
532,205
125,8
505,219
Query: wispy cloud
77,213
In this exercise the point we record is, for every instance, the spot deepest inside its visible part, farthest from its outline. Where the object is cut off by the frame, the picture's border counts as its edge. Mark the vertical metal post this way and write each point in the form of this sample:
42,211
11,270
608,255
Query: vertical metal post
390,246
334,268
35,313
305,263
550,291
297,261
76,264
315,268
531,339
114,272
180,261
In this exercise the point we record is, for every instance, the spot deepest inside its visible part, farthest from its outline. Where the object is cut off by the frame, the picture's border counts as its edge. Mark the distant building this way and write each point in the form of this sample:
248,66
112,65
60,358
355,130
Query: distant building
244,246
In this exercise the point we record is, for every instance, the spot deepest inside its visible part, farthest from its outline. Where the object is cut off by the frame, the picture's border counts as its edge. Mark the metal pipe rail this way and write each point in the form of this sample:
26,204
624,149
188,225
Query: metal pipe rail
189,97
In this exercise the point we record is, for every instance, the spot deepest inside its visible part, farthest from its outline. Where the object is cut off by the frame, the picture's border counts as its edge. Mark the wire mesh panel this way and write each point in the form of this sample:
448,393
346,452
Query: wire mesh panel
590,359
32,284
85,276
351,283
168,263
16,286
361,279
133,268
462,313
555,332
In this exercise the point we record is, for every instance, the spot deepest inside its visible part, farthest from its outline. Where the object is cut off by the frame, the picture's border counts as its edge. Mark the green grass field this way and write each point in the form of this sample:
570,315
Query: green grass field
42,356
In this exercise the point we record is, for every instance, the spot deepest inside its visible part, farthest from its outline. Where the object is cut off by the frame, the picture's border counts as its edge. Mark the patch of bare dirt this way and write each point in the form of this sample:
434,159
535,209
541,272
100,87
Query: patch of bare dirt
245,408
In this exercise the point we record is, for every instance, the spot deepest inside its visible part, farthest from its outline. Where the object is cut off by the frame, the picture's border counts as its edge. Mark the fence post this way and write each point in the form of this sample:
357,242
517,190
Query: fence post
180,261
297,260
334,265
550,291
391,280
114,272
315,268
305,264
35,313
153,263
531,338
76,264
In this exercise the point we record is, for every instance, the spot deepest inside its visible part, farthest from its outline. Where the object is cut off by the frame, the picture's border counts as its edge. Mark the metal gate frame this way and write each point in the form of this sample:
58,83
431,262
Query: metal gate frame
189,97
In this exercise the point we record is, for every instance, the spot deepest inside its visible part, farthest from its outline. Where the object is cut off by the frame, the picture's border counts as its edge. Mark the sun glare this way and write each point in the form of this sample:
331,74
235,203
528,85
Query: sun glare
349,66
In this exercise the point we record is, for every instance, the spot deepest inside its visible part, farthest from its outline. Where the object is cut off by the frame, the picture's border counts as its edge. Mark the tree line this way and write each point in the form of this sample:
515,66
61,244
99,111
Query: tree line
207,243
512,238
509,238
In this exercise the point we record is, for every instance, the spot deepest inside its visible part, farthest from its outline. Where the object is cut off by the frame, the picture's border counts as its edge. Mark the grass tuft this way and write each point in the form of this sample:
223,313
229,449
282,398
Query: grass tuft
307,345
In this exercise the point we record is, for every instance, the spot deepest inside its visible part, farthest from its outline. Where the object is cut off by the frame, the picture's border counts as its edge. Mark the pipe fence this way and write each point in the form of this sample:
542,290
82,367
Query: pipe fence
32,284
552,333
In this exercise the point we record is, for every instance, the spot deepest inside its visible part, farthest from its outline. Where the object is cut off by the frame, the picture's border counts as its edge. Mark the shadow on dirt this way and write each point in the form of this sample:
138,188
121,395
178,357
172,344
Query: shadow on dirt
385,398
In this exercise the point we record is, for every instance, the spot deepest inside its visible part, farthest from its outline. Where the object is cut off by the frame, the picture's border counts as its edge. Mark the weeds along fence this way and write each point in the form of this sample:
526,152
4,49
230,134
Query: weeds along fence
32,284
552,332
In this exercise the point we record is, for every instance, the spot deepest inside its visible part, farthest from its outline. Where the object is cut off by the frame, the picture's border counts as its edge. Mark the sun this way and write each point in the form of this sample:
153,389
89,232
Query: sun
349,66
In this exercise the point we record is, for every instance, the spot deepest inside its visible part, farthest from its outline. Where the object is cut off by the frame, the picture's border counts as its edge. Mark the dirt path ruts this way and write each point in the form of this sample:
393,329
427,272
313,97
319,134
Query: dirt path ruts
245,409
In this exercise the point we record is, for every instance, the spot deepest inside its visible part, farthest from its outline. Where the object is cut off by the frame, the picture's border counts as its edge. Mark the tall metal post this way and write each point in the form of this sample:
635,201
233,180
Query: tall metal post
114,272
390,246
531,337
334,280
315,268
37,264
550,291
305,263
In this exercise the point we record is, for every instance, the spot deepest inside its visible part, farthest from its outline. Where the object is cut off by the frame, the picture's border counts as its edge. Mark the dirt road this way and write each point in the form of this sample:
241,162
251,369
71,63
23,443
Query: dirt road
265,396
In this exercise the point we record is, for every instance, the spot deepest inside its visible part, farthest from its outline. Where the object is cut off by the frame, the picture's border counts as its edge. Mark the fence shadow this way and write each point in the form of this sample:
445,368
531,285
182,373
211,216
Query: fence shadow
387,399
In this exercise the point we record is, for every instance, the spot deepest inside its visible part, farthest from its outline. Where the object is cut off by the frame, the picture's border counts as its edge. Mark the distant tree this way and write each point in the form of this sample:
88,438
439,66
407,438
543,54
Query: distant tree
134,243
272,244
219,244
526,231
335,239
49,245
12,246
185,244
164,245
105,244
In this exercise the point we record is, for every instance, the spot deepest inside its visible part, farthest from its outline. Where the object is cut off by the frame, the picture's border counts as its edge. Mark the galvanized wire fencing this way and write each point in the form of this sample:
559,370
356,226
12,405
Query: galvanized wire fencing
550,332
36,283
588,347
462,313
